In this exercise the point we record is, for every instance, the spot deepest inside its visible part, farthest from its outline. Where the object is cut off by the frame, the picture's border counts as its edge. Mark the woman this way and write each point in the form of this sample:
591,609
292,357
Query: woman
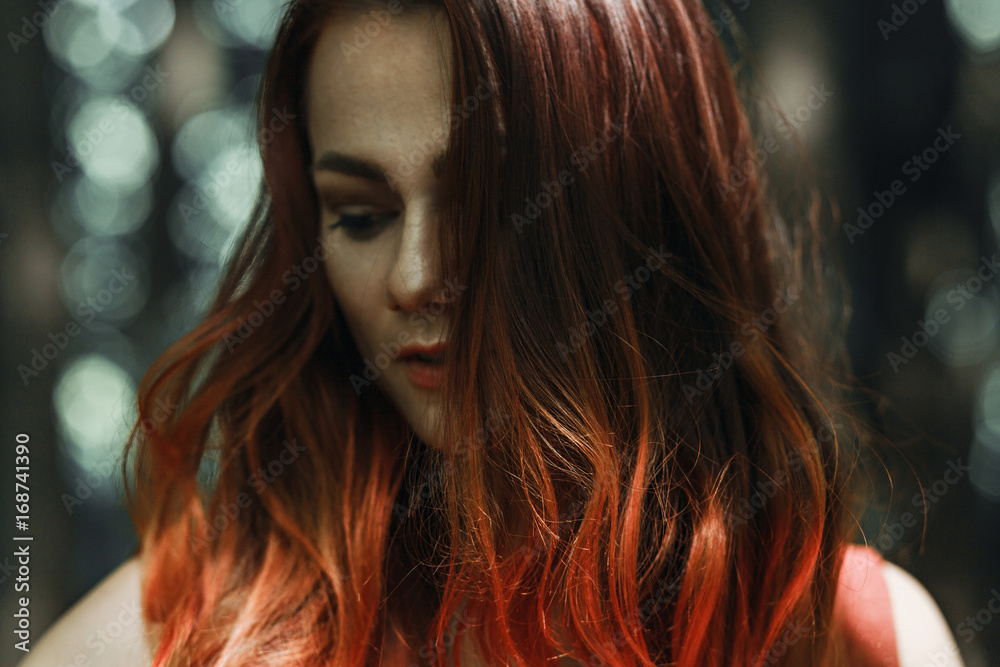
515,363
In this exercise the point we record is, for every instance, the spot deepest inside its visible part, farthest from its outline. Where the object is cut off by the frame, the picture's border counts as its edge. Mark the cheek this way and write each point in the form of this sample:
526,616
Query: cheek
357,293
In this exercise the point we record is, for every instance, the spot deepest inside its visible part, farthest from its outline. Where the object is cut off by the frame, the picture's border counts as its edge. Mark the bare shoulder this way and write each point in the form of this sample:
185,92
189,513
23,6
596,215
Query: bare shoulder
104,627
922,633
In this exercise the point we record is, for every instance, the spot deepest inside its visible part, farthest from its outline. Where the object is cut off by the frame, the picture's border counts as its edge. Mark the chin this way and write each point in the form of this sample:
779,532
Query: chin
420,411
426,426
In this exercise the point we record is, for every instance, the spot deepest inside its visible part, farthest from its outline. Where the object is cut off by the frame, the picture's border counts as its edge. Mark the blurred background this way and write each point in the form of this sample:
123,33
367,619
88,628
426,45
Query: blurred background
128,164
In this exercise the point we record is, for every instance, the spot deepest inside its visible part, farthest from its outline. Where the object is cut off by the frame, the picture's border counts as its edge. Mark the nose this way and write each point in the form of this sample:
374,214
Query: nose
415,282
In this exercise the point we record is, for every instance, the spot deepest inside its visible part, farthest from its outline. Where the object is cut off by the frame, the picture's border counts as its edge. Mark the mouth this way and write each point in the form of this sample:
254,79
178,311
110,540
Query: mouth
428,358
424,365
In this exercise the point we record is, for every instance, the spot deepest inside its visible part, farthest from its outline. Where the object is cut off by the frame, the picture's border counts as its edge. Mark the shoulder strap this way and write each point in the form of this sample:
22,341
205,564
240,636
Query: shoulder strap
862,605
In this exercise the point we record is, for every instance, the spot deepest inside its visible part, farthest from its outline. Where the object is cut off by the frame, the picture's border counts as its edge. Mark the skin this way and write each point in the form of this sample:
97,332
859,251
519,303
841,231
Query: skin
388,106
390,102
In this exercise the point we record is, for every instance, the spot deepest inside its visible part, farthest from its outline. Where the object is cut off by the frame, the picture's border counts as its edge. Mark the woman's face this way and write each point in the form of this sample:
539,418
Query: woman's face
378,107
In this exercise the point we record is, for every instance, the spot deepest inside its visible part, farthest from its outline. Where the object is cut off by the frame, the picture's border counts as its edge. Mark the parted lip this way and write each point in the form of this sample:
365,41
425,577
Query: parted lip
411,350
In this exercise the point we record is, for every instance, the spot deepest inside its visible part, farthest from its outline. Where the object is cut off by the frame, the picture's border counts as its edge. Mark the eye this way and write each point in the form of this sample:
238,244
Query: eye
360,220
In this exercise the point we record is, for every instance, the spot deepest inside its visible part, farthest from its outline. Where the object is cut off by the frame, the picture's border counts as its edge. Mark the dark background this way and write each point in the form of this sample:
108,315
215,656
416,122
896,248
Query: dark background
162,90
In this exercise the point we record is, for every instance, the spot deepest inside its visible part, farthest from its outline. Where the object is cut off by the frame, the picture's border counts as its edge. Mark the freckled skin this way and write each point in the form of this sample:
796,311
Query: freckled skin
387,104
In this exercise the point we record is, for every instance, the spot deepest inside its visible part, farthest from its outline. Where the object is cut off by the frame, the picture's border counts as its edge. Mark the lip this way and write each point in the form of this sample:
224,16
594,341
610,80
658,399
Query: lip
411,350
421,373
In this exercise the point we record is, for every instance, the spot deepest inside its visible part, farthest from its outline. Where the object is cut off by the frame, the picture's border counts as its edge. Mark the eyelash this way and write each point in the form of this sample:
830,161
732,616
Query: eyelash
349,222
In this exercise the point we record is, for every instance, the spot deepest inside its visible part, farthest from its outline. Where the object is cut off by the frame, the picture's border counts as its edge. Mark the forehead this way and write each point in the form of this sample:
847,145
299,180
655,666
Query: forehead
379,87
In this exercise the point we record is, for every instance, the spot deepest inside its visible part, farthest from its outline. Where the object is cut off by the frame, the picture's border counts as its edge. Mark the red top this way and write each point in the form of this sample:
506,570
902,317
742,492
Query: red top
862,604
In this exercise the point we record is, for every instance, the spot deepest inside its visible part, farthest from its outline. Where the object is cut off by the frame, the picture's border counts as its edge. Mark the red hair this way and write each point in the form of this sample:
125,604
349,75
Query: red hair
605,492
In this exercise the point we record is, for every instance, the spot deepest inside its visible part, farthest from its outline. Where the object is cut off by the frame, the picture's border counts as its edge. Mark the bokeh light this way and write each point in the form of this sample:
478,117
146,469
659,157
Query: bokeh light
104,212
209,213
104,42
94,404
977,22
235,23
984,457
103,280
204,136
971,325
114,143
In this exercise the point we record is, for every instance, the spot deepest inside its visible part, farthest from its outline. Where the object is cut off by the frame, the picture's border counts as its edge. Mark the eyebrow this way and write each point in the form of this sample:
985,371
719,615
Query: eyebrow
353,166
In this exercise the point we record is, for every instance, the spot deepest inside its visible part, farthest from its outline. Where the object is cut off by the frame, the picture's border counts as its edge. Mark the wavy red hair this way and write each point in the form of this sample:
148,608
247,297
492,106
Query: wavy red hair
589,502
